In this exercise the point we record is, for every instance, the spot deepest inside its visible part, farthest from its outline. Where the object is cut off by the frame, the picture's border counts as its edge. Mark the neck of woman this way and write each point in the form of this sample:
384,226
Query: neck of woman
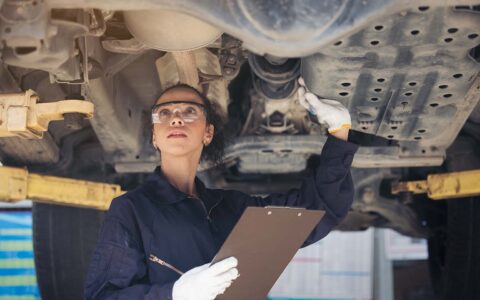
180,171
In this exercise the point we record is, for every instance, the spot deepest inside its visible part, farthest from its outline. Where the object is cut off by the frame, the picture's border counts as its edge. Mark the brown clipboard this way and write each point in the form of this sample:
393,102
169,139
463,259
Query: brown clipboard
264,241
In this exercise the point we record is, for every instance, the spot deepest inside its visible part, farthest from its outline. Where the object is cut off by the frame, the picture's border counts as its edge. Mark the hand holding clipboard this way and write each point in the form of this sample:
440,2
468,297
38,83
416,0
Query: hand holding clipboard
264,241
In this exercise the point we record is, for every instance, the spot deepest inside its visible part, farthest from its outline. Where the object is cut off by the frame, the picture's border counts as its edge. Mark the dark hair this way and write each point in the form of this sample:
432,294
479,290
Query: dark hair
214,151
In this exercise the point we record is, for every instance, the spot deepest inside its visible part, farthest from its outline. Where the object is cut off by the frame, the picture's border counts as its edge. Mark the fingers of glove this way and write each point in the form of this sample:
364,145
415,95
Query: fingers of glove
223,285
301,92
334,103
232,273
211,292
316,103
225,277
222,266
301,81
327,106
220,288
301,97
306,105
223,288
311,98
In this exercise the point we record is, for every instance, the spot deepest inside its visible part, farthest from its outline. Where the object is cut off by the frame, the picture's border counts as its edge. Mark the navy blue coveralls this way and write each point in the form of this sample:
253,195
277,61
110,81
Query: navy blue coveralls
156,218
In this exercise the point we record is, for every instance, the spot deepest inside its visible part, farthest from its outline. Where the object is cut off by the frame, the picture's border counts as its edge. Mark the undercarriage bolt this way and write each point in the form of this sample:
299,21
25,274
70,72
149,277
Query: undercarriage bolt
228,71
368,195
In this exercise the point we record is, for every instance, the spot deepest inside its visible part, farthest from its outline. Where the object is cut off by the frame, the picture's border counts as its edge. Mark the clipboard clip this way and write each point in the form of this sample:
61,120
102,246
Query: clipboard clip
300,209
283,207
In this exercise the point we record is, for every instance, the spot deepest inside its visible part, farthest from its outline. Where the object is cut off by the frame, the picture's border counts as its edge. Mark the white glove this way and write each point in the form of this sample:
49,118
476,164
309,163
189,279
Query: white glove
206,282
329,112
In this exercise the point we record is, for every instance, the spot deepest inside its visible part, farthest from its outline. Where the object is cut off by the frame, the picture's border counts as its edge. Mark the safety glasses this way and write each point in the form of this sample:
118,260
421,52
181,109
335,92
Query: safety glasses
189,111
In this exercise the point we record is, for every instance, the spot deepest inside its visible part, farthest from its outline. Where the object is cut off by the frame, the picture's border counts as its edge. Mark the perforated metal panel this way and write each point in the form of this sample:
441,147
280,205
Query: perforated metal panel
404,76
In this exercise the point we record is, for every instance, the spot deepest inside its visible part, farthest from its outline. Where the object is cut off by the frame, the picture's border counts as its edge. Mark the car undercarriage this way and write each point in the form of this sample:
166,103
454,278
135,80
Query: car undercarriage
406,70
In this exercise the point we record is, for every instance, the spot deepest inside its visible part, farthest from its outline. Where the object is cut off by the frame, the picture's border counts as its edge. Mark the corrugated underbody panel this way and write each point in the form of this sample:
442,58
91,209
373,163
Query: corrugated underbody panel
405,77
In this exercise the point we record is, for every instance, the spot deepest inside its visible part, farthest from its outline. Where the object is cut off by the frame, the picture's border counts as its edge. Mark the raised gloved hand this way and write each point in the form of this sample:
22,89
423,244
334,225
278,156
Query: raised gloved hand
329,112
206,282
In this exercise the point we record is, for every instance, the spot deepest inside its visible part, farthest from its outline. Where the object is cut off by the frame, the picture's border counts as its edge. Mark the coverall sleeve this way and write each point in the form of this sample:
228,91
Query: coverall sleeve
118,269
329,188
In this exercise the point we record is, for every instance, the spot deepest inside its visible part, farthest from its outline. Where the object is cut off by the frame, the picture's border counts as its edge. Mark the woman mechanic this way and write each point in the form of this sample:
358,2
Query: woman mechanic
175,219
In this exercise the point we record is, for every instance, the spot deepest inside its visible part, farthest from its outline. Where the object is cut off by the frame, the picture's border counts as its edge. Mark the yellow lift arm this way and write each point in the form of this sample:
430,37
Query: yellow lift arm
21,115
17,184
443,186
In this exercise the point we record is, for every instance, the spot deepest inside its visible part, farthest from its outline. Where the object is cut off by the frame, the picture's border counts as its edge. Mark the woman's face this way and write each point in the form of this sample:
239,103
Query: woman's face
197,133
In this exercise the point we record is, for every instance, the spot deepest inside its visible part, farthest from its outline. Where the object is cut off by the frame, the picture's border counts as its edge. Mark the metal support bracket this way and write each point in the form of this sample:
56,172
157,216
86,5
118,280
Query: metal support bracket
443,186
22,116
18,184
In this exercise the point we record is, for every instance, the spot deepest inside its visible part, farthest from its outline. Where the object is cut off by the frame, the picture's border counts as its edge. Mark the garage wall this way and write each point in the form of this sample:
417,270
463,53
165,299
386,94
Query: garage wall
340,266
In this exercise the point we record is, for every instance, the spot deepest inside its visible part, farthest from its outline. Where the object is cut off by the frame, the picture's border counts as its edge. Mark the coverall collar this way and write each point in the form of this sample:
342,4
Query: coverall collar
158,186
